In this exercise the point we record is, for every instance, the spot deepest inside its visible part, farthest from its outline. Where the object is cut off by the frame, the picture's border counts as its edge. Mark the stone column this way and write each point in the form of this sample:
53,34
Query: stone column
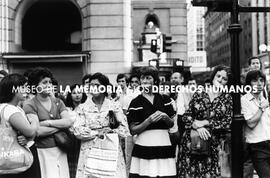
178,28
6,24
107,33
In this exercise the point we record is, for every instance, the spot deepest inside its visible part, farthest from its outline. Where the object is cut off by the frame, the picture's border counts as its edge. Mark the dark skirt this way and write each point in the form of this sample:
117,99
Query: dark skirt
32,172
73,156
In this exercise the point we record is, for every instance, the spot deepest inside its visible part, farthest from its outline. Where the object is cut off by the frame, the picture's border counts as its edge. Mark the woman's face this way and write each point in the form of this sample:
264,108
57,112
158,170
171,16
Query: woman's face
147,81
220,79
94,84
45,86
22,93
255,64
76,95
134,82
259,83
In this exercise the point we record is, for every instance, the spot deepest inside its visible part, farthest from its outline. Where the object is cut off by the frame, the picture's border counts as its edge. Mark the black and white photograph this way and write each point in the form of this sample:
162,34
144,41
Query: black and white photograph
134,88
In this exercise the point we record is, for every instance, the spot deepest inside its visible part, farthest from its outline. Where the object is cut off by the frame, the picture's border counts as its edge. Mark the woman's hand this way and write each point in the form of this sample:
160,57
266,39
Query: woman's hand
163,115
46,123
264,104
22,140
156,116
204,133
198,124
103,132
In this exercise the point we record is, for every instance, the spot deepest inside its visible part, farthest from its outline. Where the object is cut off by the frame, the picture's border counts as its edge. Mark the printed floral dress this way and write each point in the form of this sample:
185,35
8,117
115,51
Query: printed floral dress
200,107
93,120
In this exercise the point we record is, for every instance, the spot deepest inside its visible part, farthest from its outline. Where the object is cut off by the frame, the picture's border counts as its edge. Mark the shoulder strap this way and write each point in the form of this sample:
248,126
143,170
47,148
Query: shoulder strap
2,120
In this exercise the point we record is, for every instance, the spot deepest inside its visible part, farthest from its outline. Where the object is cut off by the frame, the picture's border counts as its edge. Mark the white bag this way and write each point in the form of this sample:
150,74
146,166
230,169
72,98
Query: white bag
102,158
14,158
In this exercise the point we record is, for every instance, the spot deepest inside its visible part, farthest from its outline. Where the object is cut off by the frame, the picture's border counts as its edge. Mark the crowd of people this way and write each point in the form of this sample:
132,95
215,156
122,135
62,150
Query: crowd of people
142,133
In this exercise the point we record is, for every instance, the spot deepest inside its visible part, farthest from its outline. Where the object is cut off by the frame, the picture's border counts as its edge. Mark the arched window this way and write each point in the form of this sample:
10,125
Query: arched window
152,20
52,26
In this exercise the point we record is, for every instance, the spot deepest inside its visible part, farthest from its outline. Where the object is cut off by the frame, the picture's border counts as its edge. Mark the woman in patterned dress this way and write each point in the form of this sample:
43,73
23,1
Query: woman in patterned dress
93,123
210,113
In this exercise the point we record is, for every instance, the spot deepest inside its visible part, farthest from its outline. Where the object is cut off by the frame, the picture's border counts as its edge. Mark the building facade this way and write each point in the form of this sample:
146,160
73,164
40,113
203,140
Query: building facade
196,38
217,39
255,31
75,37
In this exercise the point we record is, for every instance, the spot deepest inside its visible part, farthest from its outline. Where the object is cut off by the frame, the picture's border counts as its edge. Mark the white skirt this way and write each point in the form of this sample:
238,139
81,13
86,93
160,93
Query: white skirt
160,167
53,163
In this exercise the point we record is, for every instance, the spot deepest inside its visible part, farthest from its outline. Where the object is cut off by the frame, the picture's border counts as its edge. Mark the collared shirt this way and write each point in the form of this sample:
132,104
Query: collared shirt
126,98
262,130
182,101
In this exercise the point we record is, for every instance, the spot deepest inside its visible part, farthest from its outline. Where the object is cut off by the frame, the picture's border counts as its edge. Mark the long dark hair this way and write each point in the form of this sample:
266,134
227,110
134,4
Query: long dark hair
69,101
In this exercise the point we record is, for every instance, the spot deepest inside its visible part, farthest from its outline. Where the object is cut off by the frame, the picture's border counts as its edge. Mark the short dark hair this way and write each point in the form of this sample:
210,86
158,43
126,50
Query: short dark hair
3,72
119,76
207,80
85,77
191,78
254,57
103,80
69,102
37,75
220,68
150,70
134,76
27,72
254,75
8,84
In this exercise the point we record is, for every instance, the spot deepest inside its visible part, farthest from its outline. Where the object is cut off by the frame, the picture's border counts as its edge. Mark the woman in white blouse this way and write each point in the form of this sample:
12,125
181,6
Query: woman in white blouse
93,124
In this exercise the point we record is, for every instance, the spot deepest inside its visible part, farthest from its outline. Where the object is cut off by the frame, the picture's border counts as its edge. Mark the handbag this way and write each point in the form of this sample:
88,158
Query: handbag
14,158
199,147
63,140
63,137
102,157
113,122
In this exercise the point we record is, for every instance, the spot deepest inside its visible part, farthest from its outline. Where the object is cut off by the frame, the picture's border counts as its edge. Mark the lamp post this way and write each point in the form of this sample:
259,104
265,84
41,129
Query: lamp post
238,119
266,49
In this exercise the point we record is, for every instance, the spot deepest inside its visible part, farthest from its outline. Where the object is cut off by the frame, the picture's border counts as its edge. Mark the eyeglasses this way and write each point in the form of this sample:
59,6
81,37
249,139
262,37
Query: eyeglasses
134,81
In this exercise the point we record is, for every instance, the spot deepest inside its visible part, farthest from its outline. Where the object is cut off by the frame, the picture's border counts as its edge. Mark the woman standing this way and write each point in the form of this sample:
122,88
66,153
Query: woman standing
93,125
74,98
53,117
15,117
210,114
150,117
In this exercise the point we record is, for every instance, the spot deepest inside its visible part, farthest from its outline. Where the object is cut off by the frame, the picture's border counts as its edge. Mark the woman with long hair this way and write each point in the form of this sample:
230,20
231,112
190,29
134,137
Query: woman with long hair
74,98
